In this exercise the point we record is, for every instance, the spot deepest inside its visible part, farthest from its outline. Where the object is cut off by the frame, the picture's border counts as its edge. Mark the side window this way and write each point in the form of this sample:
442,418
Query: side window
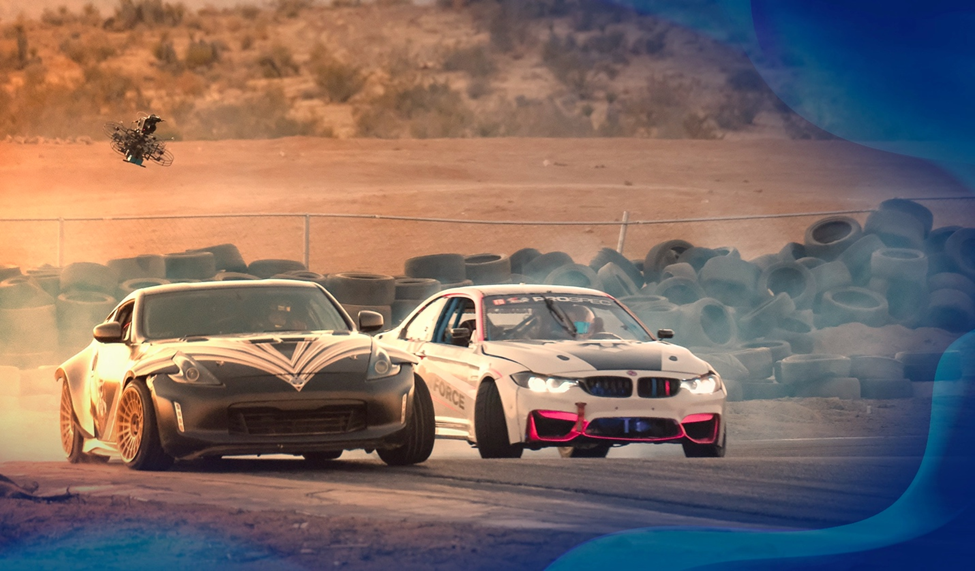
124,316
460,313
423,325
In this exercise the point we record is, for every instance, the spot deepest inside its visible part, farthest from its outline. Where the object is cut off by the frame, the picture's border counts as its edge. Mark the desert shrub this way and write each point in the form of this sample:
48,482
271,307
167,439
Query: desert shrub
606,42
474,60
797,127
57,17
699,126
738,110
131,13
508,25
532,118
596,15
478,87
259,116
653,45
55,110
165,55
746,80
248,11
416,109
201,54
277,62
90,15
659,110
94,48
338,80
291,8
246,42
571,66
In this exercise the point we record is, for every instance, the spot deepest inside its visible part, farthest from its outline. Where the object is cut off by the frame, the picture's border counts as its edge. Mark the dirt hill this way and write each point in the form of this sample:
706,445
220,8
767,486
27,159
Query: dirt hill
575,68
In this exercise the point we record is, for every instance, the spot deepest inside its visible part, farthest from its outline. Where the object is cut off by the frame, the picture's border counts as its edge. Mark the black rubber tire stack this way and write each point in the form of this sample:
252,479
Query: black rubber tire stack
576,275
145,266
28,324
272,266
226,257
661,256
78,312
817,375
610,256
483,269
880,377
900,275
540,267
358,291
410,292
190,265
828,237
730,280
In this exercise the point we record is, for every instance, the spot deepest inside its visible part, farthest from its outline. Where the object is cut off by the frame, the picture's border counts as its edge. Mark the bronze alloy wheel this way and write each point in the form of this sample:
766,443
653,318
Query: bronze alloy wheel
67,421
130,428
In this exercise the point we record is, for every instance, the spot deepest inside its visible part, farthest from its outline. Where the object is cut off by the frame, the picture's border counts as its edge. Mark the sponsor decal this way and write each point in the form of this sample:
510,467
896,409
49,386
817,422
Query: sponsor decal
448,394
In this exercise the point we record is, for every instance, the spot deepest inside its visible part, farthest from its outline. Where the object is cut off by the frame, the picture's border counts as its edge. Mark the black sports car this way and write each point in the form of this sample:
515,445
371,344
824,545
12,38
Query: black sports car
209,369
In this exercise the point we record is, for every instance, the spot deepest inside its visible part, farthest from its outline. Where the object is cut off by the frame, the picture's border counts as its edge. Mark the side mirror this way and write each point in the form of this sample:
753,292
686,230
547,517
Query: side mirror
665,334
108,332
460,336
370,321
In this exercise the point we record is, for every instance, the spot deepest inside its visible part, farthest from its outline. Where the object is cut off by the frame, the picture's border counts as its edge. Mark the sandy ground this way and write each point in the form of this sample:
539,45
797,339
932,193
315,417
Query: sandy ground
485,179
522,180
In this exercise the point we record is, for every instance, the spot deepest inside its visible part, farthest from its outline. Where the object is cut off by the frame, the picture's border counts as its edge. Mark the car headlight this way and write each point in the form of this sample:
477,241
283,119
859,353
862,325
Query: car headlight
544,383
704,385
380,365
191,372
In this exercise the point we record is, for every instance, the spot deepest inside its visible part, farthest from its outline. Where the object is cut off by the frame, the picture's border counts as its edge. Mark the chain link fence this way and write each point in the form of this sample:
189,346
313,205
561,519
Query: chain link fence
329,243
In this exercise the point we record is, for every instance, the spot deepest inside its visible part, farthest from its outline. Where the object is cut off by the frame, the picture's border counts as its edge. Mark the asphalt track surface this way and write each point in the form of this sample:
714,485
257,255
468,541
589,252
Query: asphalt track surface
769,484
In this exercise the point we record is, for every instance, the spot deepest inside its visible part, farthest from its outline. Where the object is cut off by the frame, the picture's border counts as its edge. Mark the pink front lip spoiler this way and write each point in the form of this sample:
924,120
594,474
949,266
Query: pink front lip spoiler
580,424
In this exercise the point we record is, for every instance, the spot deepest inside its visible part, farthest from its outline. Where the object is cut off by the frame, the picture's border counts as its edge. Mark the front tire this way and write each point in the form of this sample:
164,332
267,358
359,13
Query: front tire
136,431
71,440
490,427
420,431
595,451
713,450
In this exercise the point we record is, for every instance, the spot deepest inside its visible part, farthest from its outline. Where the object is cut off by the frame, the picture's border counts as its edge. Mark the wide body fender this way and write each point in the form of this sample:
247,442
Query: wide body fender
76,371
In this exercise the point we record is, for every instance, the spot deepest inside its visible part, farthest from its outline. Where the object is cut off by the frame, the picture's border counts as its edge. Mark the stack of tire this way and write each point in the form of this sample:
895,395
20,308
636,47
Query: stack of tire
87,296
359,291
426,275
28,321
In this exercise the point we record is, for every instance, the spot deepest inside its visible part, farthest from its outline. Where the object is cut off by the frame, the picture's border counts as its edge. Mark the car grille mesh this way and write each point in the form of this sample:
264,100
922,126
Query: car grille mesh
269,421
654,387
613,387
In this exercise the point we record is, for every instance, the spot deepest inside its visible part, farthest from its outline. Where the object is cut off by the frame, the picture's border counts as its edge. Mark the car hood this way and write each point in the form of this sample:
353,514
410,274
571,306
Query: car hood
294,357
578,357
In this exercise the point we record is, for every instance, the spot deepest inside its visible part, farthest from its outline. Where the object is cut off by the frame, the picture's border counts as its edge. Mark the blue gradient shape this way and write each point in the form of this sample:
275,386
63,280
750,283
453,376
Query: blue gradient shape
940,495
895,76
101,546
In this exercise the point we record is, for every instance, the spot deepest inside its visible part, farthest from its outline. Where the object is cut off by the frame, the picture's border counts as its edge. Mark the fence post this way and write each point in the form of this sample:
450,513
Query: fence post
307,240
626,220
60,242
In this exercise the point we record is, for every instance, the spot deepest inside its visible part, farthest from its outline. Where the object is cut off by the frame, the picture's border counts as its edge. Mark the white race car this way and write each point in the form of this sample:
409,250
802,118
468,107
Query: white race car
532,366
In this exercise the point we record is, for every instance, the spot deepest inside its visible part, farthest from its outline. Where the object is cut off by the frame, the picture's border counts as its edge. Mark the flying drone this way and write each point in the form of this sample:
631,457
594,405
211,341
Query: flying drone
136,145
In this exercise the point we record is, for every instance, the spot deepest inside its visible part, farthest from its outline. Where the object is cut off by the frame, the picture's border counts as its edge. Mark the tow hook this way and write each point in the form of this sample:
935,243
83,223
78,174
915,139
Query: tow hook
580,416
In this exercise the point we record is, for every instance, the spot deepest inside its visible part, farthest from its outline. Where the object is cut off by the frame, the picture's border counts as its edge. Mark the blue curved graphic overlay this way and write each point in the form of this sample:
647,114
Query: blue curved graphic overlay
934,513
897,76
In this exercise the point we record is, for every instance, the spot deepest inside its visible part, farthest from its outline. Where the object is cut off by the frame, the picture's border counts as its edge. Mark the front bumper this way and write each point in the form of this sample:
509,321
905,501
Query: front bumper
577,417
265,415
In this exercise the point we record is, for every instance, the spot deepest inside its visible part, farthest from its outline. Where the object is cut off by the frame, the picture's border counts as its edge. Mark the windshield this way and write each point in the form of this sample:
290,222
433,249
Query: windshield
558,317
234,311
